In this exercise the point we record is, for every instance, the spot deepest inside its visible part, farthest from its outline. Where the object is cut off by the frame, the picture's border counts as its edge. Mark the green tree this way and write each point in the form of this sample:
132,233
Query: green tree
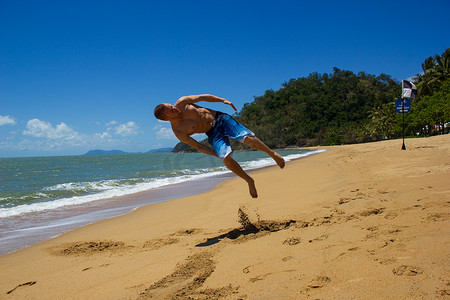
319,109
381,122
431,113
436,70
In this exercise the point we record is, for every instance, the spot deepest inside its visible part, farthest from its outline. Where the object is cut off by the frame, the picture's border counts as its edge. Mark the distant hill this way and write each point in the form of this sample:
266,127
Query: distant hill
111,152
161,150
104,152
182,147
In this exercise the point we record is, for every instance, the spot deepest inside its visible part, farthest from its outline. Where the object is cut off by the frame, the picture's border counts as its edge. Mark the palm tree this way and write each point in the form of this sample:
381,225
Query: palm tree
436,69
381,122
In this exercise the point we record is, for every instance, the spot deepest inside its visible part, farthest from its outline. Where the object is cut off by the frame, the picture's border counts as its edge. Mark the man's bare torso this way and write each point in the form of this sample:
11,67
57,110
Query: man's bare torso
195,119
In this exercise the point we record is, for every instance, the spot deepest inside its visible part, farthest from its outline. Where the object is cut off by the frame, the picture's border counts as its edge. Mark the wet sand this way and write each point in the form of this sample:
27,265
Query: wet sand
356,222
19,232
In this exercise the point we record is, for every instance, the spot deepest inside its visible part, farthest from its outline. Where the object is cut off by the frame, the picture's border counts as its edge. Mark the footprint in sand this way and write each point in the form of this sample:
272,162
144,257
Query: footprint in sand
159,243
90,248
265,275
187,278
391,216
323,237
347,252
246,270
372,211
386,261
319,282
187,232
386,243
438,217
405,270
292,241
344,200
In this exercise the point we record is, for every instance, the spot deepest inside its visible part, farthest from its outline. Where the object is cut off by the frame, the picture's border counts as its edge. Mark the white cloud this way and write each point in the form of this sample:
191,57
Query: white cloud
111,123
7,120
103,136
127,129
38,128
164,133
43,137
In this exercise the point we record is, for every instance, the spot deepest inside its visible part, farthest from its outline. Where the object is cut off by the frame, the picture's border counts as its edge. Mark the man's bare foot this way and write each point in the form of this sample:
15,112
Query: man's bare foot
252,189
278,159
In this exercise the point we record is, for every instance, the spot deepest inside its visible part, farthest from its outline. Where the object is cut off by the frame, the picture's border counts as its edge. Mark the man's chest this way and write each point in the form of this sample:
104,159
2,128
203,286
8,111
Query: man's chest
189,126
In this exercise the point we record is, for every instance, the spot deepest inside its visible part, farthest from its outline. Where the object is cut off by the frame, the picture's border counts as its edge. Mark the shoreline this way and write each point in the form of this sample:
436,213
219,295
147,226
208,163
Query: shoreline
24,231
66,219
368,205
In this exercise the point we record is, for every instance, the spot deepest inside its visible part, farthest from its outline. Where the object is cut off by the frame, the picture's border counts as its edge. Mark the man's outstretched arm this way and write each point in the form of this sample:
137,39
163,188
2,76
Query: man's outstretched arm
193,143
205,97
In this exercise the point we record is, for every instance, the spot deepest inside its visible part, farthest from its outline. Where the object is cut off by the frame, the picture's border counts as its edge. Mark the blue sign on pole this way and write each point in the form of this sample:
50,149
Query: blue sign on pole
403,105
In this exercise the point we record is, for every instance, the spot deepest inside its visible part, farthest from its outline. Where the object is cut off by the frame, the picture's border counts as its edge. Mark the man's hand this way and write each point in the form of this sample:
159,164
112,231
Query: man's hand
229,103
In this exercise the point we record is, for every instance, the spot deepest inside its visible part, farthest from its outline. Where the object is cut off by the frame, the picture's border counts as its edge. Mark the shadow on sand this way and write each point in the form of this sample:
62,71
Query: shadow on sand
253,229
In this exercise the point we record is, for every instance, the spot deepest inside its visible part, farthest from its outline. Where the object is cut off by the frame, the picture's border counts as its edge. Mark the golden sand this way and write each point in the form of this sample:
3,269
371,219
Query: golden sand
366,221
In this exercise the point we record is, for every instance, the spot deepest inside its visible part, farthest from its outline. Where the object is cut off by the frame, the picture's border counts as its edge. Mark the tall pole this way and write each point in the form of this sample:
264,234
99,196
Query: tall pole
403,115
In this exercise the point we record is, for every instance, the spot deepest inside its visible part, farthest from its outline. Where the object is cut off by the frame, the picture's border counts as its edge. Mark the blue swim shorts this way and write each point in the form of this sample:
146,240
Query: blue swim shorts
225,127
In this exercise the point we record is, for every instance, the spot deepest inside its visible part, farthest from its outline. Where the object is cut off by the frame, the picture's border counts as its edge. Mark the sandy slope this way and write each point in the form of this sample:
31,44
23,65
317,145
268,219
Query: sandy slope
363,221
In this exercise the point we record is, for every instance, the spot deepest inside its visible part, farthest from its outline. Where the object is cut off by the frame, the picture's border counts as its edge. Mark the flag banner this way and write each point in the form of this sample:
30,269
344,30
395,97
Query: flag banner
409,90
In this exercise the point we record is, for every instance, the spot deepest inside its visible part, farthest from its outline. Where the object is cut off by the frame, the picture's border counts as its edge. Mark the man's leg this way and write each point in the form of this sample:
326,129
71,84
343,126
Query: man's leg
256,143
237,169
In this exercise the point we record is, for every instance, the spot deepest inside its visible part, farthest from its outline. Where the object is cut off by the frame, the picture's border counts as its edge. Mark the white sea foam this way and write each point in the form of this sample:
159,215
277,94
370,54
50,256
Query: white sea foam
84,186
110,188
265,162
108,193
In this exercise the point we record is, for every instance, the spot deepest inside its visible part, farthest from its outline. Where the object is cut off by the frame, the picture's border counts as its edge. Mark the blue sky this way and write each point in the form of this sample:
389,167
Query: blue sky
82,75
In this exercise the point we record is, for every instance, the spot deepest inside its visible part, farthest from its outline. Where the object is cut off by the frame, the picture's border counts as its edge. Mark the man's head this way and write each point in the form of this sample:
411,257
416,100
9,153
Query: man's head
159,112
166,111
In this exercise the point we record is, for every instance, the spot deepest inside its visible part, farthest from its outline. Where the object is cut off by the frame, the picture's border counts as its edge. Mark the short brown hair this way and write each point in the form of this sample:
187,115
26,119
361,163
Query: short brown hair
159,112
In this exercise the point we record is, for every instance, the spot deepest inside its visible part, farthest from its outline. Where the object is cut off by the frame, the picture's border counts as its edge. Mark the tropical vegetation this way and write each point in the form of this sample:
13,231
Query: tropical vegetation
343,107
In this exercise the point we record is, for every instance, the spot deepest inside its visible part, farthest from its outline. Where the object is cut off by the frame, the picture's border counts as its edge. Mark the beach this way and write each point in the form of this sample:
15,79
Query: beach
36,205
366,221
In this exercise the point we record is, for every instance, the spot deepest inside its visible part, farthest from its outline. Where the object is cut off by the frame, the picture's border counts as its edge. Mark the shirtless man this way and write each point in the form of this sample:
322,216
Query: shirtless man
188,118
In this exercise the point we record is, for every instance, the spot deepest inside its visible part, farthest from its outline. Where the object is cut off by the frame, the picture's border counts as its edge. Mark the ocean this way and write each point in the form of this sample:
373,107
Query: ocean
42,197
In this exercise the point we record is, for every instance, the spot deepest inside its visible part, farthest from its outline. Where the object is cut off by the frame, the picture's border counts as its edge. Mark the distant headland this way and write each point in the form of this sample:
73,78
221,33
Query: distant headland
113,152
